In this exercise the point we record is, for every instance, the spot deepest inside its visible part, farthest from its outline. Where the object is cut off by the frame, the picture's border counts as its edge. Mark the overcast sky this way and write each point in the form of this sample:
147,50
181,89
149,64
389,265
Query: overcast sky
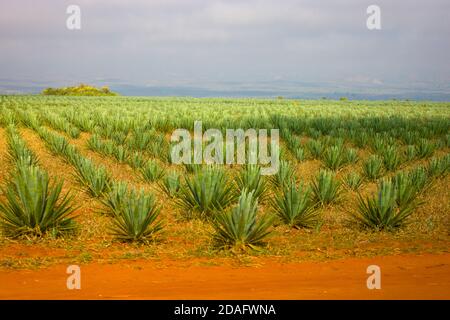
166,42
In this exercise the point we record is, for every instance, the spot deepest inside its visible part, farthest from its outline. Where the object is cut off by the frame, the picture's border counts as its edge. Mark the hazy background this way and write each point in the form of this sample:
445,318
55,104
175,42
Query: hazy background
308,49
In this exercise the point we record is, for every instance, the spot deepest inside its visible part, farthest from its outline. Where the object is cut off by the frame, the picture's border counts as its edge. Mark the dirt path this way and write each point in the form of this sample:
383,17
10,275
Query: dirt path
403,277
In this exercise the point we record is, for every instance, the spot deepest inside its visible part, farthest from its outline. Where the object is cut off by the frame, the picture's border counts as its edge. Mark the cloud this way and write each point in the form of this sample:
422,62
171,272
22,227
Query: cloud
167,40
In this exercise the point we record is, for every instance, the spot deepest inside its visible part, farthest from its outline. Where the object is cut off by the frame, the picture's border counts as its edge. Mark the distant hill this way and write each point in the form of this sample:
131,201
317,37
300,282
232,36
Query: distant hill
80,90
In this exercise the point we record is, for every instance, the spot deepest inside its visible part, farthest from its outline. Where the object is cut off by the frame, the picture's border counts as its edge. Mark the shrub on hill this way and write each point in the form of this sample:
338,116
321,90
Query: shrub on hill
80,90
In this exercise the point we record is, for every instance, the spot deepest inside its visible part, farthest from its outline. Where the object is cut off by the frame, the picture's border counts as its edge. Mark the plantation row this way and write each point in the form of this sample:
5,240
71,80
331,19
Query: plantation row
34,205
393,149
334,157
310,134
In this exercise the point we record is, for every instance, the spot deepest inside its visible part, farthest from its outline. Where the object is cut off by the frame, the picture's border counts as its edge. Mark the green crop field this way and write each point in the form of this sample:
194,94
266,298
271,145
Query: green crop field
92,178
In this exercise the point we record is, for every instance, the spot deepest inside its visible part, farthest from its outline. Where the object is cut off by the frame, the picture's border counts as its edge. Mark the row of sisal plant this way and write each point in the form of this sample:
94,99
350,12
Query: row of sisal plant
324,116
208,193
334,155
135,218
117,128
34,204
149,169
405,128
135,213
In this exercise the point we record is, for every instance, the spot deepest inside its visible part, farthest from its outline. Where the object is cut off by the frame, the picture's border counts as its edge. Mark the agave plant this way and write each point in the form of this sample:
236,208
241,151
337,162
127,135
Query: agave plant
284,174
406,190
34,205
81,121
316,134
8,118
294,206
425,148
136,160
120,153
72,155
30,121
95,178
159,148
420,178
382,211
353,181
94,143
379,144
373,167
139,141
241,229
299,154
57,144
251,179
136,218
361,139
119,138
171,184
61,124
410,153
206,192
291,140
333,157
73,132
107,148
114,199
152,171
391,158
315,148
351,156
18,151
326,188
409,137
192,167
438,166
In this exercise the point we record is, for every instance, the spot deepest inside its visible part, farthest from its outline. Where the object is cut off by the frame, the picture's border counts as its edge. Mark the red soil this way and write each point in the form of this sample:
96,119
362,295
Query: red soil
403,277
